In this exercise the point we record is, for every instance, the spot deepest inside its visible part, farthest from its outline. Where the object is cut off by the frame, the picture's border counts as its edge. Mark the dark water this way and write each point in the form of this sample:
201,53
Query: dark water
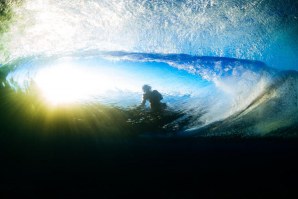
142,167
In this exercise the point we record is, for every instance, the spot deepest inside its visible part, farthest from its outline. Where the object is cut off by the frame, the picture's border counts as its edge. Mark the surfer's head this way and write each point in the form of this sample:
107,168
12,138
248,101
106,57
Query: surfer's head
146,88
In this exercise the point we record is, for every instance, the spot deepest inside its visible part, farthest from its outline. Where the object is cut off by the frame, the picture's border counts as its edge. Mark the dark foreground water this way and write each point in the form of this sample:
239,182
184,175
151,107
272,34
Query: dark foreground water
148,168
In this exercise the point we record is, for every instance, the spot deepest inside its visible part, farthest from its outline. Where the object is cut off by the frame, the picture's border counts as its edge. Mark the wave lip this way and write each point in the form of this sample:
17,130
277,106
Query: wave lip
258,30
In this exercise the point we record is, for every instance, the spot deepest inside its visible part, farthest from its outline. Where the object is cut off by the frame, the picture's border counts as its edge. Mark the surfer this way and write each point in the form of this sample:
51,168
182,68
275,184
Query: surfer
154,97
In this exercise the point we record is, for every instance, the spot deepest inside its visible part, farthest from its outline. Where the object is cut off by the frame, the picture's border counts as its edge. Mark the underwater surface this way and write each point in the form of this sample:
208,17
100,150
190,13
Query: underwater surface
71,78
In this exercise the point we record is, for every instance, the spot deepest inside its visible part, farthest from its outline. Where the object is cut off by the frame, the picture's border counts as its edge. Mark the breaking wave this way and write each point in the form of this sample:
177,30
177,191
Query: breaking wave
226,97
200,54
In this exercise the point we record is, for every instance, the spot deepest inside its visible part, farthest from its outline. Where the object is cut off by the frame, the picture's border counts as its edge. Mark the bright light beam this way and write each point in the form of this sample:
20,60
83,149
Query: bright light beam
62,84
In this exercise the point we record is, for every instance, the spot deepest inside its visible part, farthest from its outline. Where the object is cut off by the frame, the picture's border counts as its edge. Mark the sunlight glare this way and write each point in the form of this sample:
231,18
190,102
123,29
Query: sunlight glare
62,84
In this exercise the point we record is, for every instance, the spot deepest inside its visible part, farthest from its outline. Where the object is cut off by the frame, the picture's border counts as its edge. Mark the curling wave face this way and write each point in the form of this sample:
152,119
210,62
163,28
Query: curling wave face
214,96
244,29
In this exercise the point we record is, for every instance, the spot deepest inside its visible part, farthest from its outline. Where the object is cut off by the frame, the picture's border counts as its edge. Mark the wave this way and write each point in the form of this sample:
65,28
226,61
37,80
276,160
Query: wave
183,49
235,83
273,113
213,95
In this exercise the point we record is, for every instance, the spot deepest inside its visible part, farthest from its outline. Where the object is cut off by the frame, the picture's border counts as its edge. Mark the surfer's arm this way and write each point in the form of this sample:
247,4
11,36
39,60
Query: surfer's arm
144,100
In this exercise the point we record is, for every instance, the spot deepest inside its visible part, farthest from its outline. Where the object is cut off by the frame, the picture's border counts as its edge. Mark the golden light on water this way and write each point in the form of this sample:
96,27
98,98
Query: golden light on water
62,84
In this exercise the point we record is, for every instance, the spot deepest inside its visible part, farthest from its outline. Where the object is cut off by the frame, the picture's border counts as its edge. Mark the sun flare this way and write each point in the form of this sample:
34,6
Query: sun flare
62,84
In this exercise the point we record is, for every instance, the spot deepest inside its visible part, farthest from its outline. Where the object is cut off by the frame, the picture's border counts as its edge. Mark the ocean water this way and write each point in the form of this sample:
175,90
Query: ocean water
223,68
205,96
71,77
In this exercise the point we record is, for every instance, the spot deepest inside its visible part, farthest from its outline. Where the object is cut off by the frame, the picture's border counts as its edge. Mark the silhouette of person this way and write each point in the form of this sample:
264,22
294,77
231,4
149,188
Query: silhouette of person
154,97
